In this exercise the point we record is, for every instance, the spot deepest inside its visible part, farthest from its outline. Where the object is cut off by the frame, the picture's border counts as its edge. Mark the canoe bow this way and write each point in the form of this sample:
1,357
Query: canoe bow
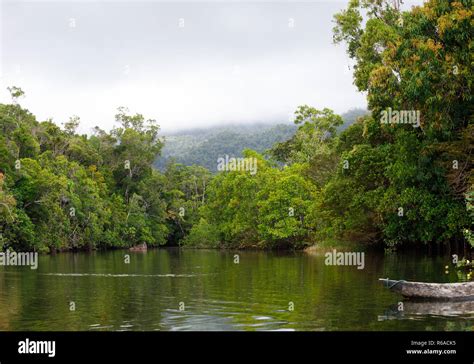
441,291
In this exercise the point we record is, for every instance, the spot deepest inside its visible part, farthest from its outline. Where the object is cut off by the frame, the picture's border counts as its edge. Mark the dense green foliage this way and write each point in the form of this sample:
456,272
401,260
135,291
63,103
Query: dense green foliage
366,181
416,60
267,209
373,181
60,190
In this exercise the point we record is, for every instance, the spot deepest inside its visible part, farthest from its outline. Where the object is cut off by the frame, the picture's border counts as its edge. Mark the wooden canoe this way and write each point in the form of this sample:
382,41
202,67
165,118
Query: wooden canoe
437,291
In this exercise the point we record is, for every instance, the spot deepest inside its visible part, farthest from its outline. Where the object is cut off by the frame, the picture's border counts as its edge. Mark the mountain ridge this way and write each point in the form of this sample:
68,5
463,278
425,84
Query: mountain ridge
202,146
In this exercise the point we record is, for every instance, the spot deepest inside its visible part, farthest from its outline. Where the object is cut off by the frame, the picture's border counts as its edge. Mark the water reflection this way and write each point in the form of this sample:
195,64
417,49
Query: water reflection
220,295
419,308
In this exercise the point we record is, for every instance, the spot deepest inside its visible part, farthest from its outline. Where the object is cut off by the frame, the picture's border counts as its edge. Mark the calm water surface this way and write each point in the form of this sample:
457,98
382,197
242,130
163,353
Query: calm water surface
220,295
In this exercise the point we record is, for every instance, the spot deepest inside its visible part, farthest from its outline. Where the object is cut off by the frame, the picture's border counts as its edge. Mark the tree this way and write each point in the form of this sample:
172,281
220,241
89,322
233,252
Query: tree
68,191
402,179
316,130
284,207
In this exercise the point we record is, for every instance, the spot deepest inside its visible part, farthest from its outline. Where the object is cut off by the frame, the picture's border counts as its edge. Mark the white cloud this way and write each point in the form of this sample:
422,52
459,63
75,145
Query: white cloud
232,63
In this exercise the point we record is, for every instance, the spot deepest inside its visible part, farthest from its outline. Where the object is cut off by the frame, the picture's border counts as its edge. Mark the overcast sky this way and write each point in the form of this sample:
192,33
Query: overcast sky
186,64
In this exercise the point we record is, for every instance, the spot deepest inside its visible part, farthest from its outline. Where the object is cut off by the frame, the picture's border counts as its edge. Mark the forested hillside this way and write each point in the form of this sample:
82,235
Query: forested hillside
203,146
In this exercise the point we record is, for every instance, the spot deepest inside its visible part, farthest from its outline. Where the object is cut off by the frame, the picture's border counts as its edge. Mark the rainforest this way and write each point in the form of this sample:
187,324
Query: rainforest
387,184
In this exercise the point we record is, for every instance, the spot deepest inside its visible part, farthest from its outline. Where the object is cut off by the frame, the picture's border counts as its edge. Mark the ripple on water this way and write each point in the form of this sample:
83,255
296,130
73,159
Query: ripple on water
101,327
262,318
117,275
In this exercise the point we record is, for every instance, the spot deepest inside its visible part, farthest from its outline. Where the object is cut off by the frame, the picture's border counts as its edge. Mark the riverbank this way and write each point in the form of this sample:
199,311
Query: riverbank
463,251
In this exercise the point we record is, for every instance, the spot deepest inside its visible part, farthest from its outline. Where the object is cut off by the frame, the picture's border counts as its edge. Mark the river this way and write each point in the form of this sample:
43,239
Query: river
177,289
